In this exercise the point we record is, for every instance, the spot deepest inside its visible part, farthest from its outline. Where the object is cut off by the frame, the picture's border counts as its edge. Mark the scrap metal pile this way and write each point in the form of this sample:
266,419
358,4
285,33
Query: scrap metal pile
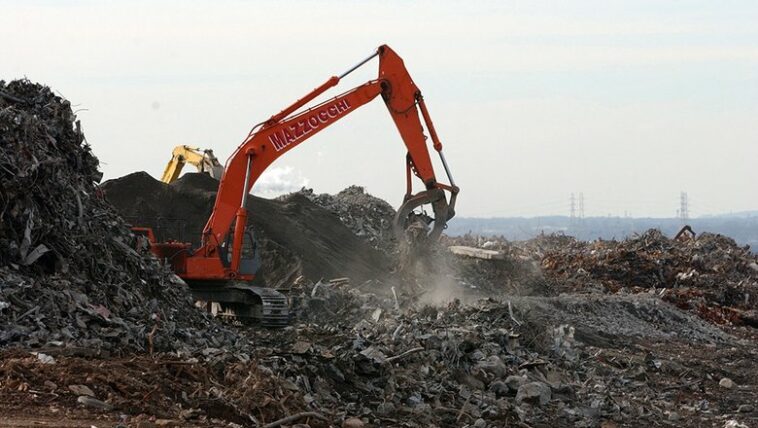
68,273
709,274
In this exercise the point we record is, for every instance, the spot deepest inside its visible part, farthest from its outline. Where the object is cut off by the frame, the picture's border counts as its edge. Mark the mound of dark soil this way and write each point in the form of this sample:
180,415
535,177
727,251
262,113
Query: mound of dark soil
296,236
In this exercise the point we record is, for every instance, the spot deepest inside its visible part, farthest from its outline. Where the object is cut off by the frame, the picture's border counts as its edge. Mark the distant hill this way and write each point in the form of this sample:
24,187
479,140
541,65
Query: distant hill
743,229
739,214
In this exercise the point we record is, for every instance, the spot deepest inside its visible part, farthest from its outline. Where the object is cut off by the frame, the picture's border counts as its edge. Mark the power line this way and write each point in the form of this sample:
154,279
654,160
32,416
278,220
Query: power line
581,205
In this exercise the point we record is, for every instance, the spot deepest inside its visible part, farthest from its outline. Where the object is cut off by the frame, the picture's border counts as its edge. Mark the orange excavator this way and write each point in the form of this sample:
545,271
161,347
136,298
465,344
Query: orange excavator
220,271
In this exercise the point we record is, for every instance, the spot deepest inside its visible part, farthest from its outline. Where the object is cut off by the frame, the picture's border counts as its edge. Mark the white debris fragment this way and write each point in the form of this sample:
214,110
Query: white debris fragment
726,383
44,358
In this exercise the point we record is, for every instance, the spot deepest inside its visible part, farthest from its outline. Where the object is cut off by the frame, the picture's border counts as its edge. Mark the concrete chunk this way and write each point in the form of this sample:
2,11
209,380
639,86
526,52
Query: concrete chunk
534,392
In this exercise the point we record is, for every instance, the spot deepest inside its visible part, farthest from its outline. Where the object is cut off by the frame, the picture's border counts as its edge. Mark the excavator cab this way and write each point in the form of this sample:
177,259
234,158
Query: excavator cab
250,259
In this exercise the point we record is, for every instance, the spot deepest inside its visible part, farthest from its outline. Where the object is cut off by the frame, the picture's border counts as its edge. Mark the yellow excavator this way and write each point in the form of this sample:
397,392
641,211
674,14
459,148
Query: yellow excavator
204,161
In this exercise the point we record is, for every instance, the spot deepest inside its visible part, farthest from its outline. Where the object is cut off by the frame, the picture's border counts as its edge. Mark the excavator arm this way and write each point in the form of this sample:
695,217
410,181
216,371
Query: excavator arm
203,160
214,261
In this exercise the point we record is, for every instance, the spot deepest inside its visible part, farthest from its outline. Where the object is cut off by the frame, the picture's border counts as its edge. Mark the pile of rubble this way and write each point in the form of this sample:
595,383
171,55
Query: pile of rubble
709,274
356,359
530,250
367,216
68,273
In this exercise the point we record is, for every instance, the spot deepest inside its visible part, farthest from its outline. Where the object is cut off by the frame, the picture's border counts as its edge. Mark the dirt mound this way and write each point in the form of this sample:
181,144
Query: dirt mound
296,236
68,272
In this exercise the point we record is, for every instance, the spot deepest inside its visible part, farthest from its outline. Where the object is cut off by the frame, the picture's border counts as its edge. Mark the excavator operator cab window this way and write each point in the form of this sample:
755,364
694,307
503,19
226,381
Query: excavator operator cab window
250,260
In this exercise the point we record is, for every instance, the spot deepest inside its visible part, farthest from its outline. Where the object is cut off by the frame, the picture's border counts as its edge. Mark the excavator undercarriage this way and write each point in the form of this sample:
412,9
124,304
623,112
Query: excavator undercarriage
239,301
246,303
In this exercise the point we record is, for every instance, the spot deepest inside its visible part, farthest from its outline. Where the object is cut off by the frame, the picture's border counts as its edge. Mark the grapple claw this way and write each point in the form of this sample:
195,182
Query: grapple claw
442,213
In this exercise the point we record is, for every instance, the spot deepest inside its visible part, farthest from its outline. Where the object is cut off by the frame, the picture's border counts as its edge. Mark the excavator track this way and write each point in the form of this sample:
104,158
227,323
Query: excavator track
247,304
275,308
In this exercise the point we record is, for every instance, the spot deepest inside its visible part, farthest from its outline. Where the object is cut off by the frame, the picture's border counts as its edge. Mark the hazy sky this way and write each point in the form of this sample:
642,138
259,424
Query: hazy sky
629,102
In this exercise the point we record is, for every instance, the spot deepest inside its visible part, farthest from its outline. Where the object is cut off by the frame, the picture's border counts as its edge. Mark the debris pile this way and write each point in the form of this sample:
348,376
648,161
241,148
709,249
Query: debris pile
532,360
709,274
367,216
68,273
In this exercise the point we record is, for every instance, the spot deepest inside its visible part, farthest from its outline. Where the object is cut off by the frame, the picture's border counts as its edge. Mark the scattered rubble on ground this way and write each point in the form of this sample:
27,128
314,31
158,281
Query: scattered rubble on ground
494,360
550,332
217,388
